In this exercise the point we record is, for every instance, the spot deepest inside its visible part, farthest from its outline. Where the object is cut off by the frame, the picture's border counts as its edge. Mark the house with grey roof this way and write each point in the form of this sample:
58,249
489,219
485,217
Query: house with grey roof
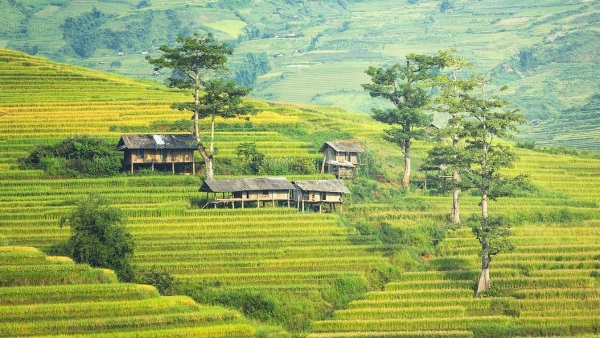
317,193
247,190
341,158
173,152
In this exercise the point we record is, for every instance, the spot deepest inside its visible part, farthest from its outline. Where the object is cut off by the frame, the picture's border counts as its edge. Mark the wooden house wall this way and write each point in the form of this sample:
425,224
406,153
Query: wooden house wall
318,196
331,154
157,155
267,195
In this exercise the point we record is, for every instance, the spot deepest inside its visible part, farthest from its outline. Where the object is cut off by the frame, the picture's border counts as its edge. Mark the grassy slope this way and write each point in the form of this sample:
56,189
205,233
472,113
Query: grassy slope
337,41
278,245
45,295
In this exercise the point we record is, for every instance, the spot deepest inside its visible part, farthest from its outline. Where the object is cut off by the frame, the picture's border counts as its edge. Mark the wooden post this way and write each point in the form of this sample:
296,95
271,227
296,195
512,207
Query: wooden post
193,166
131,167
153,165
323,164
320,207
173,167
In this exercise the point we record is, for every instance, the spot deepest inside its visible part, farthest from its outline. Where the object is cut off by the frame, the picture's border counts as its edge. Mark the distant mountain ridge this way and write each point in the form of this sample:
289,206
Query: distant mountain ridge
316,52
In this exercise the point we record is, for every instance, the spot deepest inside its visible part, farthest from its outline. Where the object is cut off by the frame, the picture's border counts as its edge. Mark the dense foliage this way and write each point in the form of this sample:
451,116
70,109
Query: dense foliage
99,237
77,156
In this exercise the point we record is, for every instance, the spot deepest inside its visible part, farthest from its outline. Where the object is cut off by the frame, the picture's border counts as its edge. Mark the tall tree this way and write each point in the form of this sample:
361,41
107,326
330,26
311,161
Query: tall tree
450,101
488,118
195,59
222,99
99,237
405,87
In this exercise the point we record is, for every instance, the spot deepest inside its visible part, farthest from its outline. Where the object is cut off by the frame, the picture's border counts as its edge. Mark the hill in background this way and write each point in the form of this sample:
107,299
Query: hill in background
316,52
386,266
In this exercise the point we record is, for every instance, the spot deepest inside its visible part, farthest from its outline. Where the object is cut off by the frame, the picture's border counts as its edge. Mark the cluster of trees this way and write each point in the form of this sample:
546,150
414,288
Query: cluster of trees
466,149
253,66
77,156
85,33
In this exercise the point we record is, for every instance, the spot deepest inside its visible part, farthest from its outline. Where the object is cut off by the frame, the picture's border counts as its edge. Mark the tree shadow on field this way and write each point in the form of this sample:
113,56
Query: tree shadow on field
454,268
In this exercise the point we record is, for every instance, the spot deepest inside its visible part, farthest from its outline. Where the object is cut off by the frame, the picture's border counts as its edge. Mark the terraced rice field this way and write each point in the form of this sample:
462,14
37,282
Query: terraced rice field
51,296
273,250
547,287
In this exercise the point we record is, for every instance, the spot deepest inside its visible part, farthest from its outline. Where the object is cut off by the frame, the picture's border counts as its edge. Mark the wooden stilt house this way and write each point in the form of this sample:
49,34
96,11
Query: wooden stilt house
174,152
341,158
245,190
315,194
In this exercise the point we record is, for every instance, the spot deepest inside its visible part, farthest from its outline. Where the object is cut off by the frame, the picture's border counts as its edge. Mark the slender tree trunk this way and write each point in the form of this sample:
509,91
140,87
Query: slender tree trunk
484,279
406,177
197,102
456,202
208,156
456,192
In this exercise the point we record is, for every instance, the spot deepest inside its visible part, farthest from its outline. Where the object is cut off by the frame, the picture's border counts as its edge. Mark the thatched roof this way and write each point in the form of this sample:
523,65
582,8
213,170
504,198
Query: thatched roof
343,146
246,184
322,186
150,141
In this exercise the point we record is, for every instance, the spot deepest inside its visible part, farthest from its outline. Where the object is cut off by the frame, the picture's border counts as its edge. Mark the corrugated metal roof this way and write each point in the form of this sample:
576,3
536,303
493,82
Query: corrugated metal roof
344,164
343,146
151,141
246,184
322,186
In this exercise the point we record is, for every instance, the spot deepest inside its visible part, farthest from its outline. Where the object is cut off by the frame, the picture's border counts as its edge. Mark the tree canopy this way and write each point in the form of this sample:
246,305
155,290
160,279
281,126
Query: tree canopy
405,86
195,60
99,237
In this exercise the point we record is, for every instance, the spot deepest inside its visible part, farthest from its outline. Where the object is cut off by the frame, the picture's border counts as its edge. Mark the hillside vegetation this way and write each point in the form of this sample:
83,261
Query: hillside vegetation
322,275
316,52
52,296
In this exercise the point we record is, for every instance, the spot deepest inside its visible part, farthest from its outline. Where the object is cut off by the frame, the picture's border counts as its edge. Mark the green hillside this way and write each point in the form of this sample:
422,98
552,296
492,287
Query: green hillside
51,296
321,275
318,51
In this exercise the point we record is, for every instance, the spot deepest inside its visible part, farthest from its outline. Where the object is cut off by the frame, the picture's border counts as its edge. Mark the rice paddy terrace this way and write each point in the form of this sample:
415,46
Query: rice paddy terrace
51,296
548,286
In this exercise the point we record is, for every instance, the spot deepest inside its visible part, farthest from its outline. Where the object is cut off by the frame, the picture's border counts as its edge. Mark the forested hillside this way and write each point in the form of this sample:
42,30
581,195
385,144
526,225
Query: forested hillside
388,265
316,52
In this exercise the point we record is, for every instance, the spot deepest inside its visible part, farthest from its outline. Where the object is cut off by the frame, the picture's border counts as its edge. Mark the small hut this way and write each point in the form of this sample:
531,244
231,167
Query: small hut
171,151
341,158
316,193
260,190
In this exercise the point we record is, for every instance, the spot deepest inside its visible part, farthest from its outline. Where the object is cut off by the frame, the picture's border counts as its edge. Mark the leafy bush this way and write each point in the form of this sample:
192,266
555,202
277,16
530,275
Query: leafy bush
344,290
99,238
162,280
252,304
78,156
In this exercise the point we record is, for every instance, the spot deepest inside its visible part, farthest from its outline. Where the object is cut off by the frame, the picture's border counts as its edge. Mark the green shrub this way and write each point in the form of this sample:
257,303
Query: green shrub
78,156
344,290
99,238
161,279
